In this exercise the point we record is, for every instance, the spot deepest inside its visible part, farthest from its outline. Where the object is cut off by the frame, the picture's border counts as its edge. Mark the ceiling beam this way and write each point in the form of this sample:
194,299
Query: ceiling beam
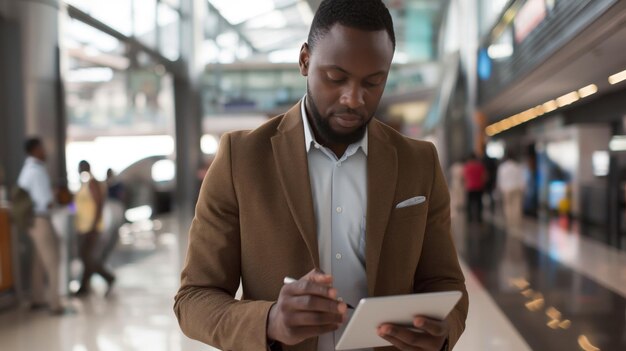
134,44
280,8
232,26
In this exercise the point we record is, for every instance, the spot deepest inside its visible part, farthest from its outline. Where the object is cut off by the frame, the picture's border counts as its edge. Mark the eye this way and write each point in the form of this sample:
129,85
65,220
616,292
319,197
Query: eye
335,77
374,82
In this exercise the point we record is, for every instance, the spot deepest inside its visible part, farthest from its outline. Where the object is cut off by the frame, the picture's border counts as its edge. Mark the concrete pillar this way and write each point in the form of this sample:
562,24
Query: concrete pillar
11,98
30,101
43,101
188,109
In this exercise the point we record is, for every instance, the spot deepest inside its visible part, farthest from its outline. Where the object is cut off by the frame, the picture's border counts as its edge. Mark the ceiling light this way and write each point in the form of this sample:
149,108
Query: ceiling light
550,106
553,324
500,51
618,143
584,344
588,90
618,77
553,313
567,99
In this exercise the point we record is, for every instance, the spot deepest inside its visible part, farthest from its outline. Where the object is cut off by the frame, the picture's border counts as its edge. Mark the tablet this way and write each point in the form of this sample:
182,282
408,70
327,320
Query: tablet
399,309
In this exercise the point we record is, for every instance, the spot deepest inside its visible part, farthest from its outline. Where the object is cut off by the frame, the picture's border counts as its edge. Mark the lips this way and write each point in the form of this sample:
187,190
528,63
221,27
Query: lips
348,121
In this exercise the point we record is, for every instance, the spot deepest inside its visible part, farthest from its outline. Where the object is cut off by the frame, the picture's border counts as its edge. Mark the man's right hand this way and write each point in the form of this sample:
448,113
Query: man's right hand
305,309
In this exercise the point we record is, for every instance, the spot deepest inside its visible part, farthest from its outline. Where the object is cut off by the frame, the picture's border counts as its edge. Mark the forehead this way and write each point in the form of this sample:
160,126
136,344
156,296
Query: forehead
348,47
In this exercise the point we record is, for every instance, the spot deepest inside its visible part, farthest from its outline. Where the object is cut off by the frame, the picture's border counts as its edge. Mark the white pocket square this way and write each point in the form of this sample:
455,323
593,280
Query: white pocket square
411,202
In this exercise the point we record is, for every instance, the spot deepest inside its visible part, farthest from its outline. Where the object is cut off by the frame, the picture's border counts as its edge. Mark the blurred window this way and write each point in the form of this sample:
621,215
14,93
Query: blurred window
114,13
77,34
169,32
145,21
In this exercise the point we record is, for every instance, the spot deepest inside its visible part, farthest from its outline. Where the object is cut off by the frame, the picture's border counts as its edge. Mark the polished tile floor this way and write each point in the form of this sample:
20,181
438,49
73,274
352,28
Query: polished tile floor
538,287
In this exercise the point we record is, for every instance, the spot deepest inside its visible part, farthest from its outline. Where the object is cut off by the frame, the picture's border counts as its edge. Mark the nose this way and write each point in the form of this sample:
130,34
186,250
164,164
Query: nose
352,97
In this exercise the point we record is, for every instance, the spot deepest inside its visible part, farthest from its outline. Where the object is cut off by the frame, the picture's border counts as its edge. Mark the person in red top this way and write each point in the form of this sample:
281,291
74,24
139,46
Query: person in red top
475,175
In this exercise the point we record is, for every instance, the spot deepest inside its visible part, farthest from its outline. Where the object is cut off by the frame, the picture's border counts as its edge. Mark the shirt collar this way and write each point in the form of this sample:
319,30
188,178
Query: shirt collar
33,160
309,137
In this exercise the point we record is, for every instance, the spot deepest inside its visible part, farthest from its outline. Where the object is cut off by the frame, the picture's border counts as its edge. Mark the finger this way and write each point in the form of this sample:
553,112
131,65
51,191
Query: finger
317,304
319,277
406,335
399,344
431,326
309,287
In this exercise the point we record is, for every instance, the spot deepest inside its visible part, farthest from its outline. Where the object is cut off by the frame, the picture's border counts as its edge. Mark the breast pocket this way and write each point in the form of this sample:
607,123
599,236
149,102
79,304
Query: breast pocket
410,211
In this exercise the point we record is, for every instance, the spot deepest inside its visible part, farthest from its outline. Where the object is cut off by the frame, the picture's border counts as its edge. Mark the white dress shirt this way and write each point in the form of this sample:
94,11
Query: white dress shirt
339,189
35,180
511,176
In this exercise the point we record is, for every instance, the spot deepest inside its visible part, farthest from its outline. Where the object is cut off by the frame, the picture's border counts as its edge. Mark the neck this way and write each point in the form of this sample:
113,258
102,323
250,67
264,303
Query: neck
337,148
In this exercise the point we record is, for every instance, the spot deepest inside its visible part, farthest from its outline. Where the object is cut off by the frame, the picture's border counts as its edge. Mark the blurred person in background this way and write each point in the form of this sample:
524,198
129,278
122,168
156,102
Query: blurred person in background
296,196
491,179
475,176
35,180
457,188
113,215
511,184
115,187
89,225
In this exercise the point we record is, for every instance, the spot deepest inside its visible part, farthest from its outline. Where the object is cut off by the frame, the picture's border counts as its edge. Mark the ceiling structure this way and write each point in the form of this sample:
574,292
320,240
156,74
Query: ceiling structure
275,26
590,58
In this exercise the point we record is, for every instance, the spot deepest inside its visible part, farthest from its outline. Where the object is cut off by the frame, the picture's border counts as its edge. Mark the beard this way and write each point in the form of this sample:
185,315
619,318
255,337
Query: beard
322,125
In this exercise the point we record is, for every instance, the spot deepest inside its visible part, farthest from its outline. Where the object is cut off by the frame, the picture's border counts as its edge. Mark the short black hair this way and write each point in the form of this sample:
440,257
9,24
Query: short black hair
369,15
31,144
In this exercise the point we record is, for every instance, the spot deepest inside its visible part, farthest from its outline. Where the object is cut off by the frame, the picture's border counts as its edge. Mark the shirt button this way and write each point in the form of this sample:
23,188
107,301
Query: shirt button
317,146
339,164
339,209
338,256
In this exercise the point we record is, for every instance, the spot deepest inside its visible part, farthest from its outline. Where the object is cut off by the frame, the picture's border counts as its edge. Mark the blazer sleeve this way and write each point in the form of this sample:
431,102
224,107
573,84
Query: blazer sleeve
205,305
438,268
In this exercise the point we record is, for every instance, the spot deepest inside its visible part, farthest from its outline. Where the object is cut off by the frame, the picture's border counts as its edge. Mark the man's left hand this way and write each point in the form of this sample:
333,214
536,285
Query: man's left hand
432,334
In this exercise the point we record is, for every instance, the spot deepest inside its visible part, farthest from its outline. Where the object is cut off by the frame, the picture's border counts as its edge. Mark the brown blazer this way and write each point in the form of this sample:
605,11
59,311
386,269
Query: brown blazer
255,221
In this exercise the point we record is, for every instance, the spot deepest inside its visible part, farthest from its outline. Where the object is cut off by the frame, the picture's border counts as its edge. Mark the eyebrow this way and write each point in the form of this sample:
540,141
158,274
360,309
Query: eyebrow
348,73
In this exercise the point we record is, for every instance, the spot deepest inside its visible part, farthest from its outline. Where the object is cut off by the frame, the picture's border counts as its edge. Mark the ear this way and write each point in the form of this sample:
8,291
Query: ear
304,59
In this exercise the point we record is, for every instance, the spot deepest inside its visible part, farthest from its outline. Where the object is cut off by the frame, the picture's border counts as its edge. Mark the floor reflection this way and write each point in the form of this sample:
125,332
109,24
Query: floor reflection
552,306
137,316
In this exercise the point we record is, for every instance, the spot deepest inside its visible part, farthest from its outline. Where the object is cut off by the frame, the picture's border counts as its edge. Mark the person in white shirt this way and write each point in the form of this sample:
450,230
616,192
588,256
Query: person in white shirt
511,183
34,179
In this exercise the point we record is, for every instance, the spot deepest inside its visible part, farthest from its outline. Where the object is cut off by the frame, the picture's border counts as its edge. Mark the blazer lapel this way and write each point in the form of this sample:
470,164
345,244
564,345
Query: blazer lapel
293,171
382,172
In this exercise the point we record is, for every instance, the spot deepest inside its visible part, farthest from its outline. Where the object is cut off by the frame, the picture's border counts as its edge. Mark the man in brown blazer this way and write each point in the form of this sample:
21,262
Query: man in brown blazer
267,209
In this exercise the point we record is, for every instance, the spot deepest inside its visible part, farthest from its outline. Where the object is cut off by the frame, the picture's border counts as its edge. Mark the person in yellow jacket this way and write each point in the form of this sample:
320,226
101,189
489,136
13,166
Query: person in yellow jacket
89,225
